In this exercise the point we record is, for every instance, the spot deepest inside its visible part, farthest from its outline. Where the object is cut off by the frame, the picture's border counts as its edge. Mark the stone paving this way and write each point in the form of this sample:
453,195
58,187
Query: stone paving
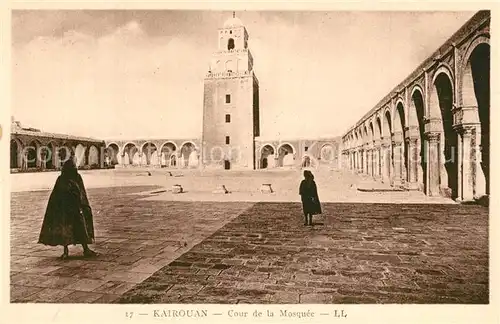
356,253
165,251
134,239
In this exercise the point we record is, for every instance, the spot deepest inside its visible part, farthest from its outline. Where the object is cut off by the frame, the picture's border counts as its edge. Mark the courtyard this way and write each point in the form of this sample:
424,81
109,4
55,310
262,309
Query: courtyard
370,245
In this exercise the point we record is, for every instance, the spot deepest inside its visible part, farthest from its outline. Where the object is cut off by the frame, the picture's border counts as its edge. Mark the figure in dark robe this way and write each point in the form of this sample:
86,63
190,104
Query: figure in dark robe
309,195
68,218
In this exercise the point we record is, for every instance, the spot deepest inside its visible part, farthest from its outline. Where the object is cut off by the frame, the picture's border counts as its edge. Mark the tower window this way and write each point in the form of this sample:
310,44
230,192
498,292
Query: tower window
230,32
228,98
306,148
230,44
227,140
228,118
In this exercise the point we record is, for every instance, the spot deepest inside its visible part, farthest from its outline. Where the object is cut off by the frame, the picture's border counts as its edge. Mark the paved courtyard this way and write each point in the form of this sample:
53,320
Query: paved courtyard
159,248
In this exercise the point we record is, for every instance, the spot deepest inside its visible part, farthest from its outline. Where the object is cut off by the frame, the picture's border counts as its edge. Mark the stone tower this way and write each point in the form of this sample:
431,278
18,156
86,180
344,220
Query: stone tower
231,102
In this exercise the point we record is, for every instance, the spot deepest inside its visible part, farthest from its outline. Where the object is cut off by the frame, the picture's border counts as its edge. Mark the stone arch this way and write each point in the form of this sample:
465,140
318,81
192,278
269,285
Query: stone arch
130,153
413,118
188,155
16,149
399,151
286,153
65,152
50,155
442,101
387,131
386,123
267,153
465,66
433,109
168,156
80,153
149,154
475,93
417,116
378,128
33,154
112,154
93,156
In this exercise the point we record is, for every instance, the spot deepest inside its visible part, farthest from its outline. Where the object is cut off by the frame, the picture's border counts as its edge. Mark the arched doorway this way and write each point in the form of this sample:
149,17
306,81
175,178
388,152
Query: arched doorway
267,157
285,155
442,97
476,93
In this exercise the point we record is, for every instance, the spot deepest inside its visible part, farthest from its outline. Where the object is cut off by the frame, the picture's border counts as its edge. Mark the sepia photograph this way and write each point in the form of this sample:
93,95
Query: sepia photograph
312,157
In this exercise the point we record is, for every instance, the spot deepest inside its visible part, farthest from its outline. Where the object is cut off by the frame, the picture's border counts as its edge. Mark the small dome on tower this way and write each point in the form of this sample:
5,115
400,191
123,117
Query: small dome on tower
233,22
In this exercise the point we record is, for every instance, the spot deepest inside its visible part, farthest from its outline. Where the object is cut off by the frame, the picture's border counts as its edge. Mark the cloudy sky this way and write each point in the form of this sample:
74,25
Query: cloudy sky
128,74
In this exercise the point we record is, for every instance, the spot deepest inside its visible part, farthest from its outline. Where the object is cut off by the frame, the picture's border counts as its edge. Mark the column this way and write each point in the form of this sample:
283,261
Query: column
100,157
433,163
412,157
467,161
361,159
480,179
367,160
397,152
376,159
38,156
158,158
43,158
24,159
385,160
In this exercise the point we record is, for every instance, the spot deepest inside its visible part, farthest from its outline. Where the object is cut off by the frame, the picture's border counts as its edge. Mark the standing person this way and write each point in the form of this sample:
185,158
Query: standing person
68,218
309,195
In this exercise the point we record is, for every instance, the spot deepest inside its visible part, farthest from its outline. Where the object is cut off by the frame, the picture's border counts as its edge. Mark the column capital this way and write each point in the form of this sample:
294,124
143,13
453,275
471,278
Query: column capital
466,129
411,140
385,141
412,131
433,137
397,138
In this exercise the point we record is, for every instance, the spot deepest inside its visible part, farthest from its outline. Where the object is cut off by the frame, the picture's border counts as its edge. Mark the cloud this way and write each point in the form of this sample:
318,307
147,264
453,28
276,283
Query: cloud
318,74
123,84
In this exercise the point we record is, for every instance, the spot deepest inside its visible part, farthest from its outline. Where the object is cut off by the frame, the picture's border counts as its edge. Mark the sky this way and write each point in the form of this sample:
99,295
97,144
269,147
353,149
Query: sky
139,74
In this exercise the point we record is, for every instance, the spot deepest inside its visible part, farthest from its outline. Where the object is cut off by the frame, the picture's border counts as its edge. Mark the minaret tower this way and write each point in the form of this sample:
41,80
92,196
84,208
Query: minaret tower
231,102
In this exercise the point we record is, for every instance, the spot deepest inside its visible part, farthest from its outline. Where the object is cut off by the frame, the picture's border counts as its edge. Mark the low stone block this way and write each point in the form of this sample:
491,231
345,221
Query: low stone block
176,189
266,188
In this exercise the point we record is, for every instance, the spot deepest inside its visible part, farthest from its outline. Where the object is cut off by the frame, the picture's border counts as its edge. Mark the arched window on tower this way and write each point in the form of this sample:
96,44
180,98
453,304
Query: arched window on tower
230,44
